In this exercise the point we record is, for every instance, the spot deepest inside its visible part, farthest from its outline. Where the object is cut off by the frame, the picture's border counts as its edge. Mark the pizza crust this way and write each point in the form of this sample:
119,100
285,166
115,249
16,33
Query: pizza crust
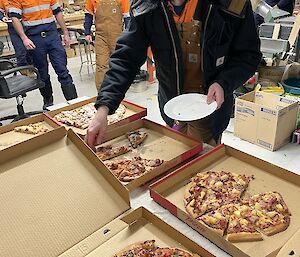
244,237
272,230
150,243
218,231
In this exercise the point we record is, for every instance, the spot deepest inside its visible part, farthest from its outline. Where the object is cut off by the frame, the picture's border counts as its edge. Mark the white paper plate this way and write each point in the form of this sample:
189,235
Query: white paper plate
189,107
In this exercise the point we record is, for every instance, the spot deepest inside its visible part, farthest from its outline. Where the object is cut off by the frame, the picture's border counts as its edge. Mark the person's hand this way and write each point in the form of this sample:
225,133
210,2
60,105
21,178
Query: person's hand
67,40
97,128
29,45
88,38
215,93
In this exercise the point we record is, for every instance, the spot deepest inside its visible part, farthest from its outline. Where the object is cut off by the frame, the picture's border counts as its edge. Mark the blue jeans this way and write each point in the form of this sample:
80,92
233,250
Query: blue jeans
51,46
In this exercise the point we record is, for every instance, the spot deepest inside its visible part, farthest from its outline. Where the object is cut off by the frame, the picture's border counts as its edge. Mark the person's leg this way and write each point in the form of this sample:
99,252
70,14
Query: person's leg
20,50
58,59
102,57
201,130
40,61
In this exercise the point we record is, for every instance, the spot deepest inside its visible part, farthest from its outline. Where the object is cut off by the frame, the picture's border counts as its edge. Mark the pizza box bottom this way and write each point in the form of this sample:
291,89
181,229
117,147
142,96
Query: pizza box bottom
169,192
59,200
8,137
135,226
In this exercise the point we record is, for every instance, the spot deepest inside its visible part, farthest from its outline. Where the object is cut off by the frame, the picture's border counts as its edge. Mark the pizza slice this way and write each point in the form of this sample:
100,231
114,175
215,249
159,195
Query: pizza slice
117,167
216,221
139,249
132,171
272,222
151,163
136,137
108,152
33,129
268,201
242,225
172,252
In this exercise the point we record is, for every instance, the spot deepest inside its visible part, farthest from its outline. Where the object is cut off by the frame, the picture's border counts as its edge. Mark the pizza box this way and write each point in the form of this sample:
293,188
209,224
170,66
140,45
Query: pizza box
58,200
161,143
133,112
169,191
8,137
292,247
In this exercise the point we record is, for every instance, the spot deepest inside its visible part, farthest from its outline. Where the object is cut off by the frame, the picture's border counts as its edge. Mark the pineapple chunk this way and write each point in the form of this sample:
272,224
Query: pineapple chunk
244,208
279,207
244,222
218,215
257,206
212,220
237,213
202,194
235,191
219,184
212,182
192,203
271,214
224,177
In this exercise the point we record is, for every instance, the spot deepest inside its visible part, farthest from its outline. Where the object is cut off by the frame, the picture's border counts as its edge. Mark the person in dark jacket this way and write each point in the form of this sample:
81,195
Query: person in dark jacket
208,46
285,5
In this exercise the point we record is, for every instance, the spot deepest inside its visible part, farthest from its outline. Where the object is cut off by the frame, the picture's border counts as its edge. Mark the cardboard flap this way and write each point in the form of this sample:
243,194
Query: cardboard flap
54,196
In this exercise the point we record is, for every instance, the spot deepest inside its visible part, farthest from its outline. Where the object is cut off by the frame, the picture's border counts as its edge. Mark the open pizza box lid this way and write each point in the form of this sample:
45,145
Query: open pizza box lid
53,195
292,247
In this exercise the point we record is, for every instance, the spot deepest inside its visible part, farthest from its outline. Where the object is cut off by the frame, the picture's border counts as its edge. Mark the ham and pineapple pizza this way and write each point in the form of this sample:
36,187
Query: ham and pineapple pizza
108,151
214,198
148,249
136,137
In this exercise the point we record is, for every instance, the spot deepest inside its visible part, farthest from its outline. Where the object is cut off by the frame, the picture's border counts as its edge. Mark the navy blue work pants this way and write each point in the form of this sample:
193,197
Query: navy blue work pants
50,46
22,55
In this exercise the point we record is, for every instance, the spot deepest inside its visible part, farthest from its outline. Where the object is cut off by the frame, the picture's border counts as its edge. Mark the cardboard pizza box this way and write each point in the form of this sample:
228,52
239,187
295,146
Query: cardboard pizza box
133,112
58,200
161,143
8,137
292,247
169,191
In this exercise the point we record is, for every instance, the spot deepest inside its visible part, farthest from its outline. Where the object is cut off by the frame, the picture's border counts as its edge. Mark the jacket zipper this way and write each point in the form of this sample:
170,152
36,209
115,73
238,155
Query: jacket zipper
174,47
202,51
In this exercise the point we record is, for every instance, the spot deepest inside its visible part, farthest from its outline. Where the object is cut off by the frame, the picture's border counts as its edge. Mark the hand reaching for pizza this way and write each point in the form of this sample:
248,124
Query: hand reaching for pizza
97,128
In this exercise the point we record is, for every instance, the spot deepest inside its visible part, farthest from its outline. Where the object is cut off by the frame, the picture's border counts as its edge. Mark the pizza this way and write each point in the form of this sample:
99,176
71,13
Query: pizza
128,170
136,137
148,249
108,152
34,128
214,198
82,116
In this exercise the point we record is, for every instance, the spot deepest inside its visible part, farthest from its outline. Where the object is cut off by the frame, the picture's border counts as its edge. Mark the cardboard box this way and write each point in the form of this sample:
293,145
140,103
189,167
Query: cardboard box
265,119
161,143
8,137
60,201
169,192
133,112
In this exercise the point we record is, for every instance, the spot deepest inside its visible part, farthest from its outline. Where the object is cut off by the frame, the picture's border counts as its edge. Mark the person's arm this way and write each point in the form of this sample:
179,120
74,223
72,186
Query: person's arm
61,22
244,57
56,10
19,29
88,19
282,3
124,63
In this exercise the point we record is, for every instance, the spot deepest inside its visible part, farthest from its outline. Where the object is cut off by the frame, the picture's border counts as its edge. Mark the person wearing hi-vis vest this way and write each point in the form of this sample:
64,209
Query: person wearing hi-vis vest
22,56
40,36
108,16
199,46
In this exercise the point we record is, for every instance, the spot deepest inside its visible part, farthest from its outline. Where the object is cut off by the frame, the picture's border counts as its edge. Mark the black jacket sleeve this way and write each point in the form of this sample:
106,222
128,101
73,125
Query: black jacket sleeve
244,55
130,54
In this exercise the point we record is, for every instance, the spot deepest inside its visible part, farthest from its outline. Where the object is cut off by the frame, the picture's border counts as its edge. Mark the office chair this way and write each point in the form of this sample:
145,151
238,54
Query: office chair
14,84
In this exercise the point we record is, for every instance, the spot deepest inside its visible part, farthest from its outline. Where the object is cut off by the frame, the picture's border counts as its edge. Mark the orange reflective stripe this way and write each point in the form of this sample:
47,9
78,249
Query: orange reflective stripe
42,14
125,6
188,12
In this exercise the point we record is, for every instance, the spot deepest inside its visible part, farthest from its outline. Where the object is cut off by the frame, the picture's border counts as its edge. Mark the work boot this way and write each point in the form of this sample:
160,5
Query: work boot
47,102
69,92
